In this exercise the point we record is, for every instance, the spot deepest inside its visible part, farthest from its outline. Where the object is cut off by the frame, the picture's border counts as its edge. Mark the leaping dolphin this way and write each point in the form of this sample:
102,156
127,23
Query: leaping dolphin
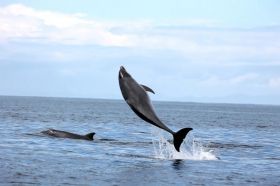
64,134
137,98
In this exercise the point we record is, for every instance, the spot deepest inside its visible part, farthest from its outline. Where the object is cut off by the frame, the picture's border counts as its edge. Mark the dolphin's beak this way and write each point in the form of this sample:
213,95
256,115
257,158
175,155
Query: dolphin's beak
122,72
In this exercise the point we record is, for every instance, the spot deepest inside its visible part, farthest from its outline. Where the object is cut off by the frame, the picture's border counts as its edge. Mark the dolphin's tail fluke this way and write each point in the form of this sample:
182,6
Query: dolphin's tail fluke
90,135
179,136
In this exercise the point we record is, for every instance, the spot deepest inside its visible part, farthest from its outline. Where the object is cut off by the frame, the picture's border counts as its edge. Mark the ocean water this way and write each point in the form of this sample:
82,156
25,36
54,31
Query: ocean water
231,144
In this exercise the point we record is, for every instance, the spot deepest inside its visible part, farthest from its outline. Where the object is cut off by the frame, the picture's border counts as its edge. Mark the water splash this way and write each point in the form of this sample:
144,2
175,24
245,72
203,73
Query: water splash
190,149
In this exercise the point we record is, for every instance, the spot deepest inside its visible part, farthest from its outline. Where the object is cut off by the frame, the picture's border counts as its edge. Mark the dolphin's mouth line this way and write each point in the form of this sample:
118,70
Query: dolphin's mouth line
121,74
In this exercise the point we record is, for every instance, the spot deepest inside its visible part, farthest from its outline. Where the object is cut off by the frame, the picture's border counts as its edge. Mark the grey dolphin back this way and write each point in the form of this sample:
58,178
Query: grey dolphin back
137,98
64,134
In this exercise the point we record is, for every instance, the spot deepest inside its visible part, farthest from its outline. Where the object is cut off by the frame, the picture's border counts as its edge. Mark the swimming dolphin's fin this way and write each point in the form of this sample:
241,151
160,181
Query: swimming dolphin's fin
90,135
179,136
148,89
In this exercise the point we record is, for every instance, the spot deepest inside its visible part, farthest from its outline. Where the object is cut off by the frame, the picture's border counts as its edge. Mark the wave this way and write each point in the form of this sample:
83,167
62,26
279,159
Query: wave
190,149
233,145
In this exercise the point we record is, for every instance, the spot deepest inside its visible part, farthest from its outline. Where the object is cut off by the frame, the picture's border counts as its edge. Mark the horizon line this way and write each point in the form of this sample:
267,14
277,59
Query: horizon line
116,99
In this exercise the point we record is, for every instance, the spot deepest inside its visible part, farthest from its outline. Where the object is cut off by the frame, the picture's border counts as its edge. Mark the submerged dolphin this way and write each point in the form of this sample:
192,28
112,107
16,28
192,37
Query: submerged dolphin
63,134
137,98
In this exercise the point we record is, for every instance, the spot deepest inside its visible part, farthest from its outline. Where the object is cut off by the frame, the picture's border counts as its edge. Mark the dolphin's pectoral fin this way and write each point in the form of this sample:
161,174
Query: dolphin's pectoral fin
148,89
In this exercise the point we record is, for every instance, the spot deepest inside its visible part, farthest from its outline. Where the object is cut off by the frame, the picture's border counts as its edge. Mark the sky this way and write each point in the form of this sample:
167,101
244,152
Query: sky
194,51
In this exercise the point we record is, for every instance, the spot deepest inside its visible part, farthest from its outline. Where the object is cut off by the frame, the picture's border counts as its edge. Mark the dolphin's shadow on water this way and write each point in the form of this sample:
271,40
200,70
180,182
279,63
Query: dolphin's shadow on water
178,164
130,155
36,134
233,145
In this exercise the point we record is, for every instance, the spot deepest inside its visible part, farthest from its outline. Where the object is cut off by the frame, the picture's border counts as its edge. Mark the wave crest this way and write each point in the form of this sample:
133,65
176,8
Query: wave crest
190,148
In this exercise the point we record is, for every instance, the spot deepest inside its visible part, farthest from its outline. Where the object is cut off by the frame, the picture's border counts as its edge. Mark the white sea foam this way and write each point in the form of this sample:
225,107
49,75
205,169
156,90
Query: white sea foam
190,148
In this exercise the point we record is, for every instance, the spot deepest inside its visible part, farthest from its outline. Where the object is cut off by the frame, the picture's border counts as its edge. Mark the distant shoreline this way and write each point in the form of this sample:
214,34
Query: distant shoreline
155,101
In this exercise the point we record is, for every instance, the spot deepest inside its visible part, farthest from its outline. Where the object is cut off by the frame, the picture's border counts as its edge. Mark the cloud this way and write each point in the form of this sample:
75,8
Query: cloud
203,41
19,21
244,78
235,80
274,82
197,41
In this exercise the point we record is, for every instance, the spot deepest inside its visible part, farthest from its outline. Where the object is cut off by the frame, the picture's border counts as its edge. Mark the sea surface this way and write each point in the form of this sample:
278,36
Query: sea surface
231,144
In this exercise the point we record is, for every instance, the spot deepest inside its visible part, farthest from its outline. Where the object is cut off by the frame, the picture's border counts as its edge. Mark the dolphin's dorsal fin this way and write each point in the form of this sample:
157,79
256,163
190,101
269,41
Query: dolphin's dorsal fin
148,89
90,135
